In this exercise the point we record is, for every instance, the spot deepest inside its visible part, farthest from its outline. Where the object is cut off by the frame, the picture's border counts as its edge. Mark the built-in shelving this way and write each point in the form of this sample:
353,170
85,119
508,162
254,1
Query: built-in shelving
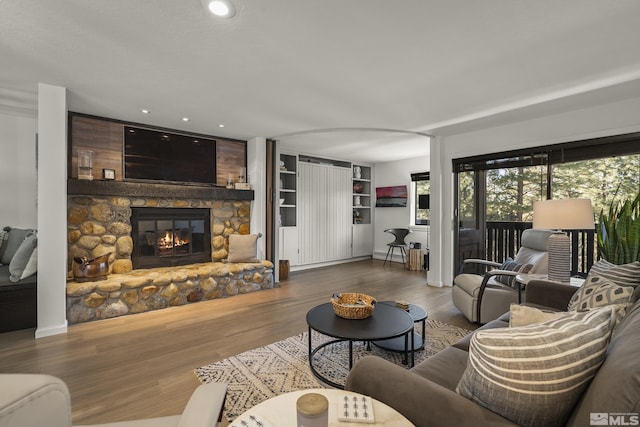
361,194
287,201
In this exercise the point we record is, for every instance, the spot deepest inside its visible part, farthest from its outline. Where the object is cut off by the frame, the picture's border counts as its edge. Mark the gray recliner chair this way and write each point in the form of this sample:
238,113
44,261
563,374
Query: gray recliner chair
482,298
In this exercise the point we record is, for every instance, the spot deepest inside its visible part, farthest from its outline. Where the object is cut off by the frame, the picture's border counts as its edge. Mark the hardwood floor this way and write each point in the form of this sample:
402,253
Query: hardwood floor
141,365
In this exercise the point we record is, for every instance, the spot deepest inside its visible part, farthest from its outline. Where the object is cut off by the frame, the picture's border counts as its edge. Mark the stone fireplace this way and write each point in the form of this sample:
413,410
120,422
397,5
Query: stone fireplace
167,246
165,237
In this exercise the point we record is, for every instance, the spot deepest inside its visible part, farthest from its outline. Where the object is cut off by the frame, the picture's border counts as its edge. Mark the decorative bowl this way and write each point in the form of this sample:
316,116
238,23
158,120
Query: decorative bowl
353,305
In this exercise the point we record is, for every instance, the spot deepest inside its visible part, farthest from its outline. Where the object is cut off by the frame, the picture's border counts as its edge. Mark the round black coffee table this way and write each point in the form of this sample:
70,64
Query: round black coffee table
386,322
418,314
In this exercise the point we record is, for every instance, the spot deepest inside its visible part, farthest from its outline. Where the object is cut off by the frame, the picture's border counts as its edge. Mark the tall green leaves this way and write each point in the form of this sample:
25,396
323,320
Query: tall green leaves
619,231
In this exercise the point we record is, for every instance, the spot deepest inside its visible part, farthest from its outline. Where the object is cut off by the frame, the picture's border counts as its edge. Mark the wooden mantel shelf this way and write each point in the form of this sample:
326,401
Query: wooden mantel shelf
146,189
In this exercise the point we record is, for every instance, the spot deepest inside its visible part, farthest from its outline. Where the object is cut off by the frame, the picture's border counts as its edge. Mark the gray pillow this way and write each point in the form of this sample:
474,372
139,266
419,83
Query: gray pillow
4,235
597,292
16,236
22,257
534,375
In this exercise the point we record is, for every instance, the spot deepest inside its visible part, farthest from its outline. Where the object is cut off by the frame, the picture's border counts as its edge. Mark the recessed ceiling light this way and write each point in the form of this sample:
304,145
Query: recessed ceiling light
220,8
220,125
185,119
145,111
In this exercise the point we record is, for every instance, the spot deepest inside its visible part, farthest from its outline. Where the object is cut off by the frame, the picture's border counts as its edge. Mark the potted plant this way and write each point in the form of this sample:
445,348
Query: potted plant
619,231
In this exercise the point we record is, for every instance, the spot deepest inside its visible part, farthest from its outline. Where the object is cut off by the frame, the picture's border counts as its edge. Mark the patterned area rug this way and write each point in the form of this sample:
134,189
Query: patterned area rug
257,375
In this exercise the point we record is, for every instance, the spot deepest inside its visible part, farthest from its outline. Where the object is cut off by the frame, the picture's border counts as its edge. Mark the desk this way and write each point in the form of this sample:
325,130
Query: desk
281,411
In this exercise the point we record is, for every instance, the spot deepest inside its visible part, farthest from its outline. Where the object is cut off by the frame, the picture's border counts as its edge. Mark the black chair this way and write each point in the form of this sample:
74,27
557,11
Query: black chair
399,234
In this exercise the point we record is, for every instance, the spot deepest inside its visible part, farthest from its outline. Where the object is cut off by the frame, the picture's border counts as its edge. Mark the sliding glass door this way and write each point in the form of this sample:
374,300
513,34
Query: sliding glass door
495,193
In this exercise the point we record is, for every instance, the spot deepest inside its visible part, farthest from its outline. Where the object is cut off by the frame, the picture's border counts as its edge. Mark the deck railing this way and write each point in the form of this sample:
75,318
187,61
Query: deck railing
503,238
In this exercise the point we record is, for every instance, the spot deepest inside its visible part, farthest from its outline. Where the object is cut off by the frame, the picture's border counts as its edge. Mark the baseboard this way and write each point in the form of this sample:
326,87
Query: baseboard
327,263
52,330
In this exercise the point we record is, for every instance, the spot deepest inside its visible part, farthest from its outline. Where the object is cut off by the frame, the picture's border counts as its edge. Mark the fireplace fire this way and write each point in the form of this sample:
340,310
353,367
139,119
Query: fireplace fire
170,236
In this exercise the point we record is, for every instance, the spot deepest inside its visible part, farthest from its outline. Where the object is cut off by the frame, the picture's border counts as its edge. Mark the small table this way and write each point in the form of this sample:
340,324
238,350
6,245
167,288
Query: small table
418,314
281,410
386,322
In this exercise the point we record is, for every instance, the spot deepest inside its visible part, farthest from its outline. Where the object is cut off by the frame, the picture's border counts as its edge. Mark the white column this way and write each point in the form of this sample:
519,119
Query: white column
52,210
257,177
439,216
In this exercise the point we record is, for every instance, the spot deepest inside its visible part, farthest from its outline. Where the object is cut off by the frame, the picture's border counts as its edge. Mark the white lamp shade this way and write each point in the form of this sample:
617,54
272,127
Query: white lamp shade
563,214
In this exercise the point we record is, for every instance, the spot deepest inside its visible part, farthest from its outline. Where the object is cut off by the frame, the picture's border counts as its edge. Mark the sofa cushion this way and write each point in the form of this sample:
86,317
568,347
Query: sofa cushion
243,248
444,368
14,240
534,375
522,315
25,262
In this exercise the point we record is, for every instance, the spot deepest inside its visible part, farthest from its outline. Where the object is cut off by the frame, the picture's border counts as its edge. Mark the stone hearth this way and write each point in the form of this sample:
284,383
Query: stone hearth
152,289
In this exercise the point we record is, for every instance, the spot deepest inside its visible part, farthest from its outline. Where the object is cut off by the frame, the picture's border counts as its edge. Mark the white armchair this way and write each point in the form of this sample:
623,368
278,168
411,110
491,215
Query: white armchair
34,400
482,298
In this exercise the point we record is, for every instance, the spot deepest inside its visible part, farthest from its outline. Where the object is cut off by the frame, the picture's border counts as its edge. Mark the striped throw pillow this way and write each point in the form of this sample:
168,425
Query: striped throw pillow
622,275
511,265
534,375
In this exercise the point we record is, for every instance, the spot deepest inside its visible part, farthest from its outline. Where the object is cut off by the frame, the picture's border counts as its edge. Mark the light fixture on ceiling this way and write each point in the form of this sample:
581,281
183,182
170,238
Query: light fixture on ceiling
220,125
220,8
145,111
185,119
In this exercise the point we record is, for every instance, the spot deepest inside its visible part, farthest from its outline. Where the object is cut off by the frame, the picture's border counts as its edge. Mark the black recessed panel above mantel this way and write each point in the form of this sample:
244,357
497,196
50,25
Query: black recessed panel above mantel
165,191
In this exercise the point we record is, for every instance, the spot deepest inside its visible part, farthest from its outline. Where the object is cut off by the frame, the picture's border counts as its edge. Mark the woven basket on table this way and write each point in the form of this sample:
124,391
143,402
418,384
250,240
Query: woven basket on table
345,305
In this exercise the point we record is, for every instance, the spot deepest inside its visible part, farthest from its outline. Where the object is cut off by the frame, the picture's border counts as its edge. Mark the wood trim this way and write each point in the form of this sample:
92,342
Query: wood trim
148,189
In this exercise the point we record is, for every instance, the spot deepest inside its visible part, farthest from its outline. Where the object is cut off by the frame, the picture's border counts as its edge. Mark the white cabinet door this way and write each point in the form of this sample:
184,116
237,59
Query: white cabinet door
288,244
362,240
324,213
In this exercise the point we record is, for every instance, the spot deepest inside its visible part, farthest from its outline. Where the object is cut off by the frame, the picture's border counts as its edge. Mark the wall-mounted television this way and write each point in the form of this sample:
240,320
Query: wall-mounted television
153,155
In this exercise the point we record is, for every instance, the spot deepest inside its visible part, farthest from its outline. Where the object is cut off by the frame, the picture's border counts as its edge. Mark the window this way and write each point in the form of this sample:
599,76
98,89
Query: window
420,190
495,192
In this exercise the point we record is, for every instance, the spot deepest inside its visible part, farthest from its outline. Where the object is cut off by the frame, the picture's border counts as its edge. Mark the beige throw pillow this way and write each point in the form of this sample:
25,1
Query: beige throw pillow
243,248
522,315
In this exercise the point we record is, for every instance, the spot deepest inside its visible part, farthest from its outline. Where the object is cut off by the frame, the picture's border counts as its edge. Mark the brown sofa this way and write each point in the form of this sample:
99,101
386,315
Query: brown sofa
426,393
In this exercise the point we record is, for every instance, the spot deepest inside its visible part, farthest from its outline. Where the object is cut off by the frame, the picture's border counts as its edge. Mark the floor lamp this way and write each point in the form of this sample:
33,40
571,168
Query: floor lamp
562,214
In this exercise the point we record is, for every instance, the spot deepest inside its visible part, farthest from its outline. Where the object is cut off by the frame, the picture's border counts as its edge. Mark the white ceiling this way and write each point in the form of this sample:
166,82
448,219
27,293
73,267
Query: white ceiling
294,69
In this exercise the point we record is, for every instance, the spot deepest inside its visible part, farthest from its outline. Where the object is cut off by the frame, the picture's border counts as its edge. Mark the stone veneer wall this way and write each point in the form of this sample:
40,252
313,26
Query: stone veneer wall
102,224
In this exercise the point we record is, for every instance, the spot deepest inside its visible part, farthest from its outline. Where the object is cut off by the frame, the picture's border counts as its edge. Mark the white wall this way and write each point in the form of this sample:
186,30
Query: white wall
18,190
392,174
603,120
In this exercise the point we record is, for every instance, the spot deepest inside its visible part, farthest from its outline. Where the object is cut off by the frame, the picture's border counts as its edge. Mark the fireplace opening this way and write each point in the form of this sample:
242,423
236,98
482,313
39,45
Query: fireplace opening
166,237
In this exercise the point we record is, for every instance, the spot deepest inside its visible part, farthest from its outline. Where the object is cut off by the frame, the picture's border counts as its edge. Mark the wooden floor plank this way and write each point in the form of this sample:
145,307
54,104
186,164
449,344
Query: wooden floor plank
141,365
